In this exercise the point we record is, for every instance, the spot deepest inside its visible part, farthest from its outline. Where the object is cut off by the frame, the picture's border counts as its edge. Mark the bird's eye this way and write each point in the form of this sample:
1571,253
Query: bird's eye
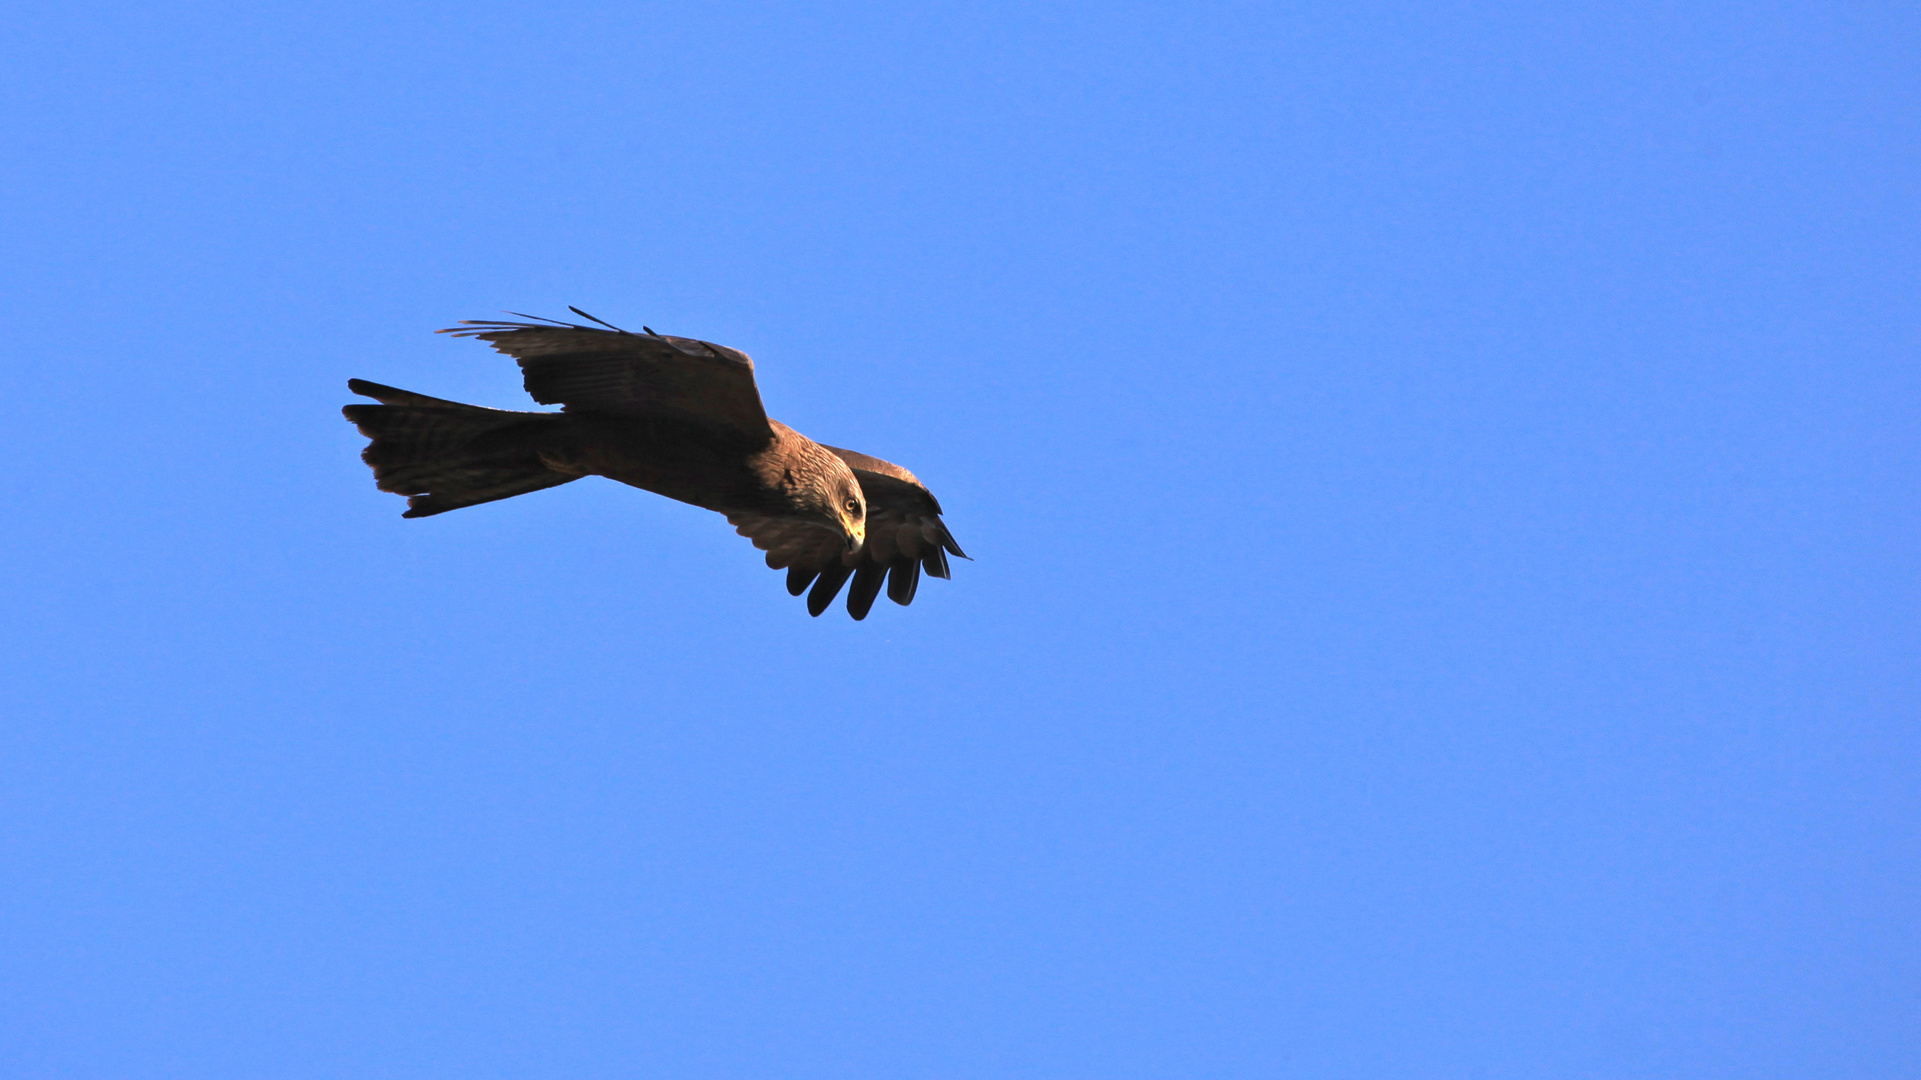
853,506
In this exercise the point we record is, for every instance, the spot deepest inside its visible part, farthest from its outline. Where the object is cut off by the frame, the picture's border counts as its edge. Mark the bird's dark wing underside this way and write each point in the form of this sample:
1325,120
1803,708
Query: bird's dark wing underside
905,535
585,369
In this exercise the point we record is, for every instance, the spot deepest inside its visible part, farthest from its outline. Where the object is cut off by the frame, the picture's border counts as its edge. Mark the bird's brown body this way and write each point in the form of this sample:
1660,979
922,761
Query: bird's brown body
677,417
667,457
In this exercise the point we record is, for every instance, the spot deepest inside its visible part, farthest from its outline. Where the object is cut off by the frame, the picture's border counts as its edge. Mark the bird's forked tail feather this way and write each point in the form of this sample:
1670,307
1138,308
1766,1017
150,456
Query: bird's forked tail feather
445,455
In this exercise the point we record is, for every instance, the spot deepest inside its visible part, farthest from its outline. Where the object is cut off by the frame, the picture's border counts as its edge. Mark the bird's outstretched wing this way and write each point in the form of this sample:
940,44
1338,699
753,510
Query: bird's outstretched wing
587,369
905,535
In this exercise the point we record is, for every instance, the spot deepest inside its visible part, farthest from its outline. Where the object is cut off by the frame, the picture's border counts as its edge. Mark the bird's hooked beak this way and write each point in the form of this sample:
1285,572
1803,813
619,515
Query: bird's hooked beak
856,537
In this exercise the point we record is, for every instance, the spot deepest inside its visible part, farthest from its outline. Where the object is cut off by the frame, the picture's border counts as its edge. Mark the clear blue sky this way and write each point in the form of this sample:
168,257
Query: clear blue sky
1442,478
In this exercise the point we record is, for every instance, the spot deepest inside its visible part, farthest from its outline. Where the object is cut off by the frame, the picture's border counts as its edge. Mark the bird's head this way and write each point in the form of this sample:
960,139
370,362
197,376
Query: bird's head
828,494
850,512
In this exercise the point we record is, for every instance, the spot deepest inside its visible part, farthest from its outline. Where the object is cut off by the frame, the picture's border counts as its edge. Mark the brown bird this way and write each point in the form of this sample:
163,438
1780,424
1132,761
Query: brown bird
670,415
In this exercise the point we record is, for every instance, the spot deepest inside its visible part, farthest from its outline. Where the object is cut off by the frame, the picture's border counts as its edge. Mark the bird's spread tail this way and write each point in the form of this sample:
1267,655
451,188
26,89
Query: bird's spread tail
445,455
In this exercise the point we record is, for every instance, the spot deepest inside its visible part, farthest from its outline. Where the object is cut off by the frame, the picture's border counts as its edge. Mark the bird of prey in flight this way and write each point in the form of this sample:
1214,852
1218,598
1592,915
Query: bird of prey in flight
670,415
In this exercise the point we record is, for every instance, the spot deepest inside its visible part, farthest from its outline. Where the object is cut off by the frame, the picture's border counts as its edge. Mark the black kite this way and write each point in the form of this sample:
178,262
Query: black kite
671,415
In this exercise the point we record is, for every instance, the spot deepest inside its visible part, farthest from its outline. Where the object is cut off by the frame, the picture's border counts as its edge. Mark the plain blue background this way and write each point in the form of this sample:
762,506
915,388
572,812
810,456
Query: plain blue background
1441,475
